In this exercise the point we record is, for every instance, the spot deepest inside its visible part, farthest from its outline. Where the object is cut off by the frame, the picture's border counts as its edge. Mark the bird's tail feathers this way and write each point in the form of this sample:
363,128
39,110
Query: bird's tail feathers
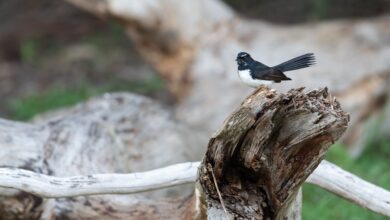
300,62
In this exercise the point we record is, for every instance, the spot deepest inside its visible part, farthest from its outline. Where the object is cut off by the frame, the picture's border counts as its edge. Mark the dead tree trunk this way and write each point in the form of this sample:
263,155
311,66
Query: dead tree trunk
256,163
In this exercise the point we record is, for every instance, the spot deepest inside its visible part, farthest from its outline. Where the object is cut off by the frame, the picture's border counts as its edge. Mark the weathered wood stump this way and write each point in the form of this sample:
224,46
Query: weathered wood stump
256,163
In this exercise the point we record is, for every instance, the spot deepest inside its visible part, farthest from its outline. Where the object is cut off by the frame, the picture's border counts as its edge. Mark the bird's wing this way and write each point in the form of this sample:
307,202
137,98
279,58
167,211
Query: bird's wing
263,72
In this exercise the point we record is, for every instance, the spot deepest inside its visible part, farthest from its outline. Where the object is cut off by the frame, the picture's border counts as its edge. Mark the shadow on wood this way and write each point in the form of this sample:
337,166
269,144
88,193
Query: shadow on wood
265,150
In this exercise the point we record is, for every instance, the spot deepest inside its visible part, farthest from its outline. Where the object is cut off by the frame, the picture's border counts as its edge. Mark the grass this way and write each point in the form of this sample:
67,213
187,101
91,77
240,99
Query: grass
372,166
25,108
34,50
318,9
114,37
29,50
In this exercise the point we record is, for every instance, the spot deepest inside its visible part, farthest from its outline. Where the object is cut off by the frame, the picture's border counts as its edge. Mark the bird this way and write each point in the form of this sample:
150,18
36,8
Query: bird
254,74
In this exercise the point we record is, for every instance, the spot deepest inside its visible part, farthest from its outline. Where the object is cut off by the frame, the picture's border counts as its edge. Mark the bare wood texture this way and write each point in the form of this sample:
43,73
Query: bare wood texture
94,184
326,175
120,207
351,187
294,211
266,149
115,133
195,54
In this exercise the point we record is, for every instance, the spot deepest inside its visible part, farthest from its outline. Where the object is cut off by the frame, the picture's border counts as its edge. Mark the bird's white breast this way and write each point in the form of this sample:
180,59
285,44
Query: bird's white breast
246,78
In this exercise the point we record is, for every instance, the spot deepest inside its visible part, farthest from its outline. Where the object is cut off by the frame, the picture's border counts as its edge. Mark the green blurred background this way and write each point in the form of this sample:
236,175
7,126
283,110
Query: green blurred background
38,72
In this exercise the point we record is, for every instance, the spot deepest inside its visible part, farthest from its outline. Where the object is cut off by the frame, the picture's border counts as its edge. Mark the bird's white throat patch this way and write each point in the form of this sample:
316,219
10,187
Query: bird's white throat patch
246,78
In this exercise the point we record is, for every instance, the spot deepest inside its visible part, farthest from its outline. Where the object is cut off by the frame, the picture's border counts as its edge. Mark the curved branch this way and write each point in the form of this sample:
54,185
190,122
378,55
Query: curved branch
327,176
58,187
351,187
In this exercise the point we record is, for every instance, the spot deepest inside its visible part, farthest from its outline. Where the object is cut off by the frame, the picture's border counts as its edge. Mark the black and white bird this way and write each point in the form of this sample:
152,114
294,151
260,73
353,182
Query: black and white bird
254,73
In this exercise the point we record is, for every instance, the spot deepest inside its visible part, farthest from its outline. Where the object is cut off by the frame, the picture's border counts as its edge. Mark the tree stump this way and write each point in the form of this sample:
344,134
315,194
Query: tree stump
256,163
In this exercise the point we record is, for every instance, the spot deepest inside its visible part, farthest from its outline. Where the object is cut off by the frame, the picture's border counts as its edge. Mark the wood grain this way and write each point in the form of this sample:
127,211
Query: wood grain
267,148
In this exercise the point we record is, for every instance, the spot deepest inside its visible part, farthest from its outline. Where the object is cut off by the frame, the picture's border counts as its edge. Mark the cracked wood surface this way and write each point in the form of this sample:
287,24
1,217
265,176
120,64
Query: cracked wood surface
114,133
266,149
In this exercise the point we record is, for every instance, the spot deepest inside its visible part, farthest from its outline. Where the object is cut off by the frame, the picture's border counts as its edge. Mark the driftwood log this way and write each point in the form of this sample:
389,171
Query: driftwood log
273,141
115,133
193,44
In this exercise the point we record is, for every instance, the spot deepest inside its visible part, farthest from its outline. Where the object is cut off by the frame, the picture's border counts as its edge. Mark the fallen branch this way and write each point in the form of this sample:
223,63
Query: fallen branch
327,176
351,187
59,187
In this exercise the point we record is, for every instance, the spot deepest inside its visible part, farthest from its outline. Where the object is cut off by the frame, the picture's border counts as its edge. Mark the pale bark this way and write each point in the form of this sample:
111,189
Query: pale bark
116,133
294,211
351,187
193,44
95,184
326,175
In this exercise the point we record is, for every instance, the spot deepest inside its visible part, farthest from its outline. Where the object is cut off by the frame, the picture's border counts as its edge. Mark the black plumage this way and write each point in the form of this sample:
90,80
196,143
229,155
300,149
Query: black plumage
260,71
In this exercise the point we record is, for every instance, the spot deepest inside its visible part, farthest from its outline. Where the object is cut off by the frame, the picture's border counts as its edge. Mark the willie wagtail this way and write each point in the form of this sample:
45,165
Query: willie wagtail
254,73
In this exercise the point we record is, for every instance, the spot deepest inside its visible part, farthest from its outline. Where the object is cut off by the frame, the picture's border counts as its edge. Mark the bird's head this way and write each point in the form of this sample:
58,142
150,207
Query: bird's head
243,59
